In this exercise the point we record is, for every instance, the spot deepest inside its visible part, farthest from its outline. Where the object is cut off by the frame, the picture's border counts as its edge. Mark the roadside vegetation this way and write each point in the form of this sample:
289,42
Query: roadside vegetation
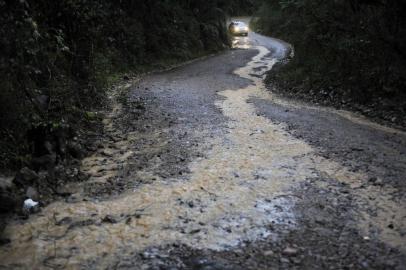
57,60
57,57
350,54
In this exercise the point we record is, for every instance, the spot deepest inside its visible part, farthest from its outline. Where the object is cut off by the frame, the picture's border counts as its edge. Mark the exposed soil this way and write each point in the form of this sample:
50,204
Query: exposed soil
383,109
201,167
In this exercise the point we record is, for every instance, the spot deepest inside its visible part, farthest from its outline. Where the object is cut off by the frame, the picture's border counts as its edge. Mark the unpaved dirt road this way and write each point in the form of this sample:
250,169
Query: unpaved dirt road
201,167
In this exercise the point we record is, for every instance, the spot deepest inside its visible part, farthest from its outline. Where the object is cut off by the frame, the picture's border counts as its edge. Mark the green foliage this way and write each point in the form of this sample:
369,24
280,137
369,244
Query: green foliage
57,56
346,48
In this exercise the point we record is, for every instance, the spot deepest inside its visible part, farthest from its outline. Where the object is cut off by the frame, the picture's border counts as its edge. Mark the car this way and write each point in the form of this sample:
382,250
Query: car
238,28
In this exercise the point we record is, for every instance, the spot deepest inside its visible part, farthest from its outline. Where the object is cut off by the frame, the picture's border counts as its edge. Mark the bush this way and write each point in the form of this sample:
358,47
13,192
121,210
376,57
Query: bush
352,48
56,55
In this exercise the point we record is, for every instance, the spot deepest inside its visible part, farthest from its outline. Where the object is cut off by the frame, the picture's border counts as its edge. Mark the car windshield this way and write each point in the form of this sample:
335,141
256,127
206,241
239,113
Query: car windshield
241,24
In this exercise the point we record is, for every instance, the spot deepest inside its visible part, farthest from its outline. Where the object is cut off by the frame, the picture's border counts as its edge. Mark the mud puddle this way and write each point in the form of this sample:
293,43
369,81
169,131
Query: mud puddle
233,193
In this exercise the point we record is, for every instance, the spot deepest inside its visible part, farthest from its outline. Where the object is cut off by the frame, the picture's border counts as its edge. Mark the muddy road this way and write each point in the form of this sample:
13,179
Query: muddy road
202,167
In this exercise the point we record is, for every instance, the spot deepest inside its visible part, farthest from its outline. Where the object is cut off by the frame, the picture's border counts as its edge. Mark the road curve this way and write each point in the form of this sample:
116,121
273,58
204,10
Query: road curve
204,168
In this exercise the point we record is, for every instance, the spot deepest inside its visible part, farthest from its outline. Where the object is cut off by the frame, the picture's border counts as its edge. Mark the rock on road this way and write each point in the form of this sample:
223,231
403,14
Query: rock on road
204,168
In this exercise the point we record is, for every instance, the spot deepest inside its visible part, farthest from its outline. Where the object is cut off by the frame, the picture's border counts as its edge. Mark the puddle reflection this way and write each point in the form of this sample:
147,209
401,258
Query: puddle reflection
239,42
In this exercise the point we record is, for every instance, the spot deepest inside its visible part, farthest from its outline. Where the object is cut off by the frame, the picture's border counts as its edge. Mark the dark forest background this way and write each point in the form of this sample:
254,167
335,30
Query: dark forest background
57,57
349,53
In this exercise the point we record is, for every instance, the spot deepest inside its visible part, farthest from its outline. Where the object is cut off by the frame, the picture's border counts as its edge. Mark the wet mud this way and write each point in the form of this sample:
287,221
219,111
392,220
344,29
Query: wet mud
198,175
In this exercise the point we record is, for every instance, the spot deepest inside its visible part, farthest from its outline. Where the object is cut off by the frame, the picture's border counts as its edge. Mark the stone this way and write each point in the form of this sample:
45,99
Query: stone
109,219
375,181
32,193
75,150
5,182
64,221
290,251
25,177
284,260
